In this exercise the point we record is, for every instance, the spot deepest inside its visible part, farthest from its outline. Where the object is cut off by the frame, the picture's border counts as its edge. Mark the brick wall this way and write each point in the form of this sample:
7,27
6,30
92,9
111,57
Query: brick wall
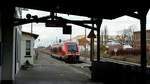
136,40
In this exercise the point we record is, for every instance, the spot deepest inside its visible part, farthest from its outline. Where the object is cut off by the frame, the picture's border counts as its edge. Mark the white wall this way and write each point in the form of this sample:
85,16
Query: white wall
23,49
18,35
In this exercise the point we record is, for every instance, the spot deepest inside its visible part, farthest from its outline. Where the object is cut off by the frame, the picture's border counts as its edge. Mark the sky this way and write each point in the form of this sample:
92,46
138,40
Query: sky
49,35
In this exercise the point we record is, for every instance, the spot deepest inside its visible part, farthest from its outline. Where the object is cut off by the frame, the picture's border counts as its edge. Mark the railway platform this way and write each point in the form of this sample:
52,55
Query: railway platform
48,70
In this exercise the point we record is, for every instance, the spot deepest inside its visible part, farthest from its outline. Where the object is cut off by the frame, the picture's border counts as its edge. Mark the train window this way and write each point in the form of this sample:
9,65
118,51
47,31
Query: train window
72,47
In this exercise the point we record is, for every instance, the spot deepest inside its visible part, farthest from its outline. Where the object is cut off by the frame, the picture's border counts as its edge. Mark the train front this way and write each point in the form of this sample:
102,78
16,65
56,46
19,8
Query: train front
73,53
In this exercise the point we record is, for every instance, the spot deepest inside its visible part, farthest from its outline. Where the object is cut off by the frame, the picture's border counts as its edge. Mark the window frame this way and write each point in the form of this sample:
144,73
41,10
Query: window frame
28,48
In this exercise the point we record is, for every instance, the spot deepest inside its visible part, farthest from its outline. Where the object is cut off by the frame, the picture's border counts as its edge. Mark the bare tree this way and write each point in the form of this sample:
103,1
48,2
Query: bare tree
120,39
102,37
126,35
105,34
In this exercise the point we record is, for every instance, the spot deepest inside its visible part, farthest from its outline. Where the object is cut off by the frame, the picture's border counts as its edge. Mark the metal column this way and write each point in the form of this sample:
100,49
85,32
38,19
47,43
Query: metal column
99,22
8,57
142,14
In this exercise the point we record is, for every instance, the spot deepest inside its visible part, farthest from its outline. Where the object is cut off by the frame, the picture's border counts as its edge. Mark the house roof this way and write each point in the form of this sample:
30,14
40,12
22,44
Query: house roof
31,34
78,36
83,41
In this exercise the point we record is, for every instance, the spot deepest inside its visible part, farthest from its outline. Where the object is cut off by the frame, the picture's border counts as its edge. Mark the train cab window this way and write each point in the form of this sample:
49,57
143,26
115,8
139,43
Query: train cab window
72,47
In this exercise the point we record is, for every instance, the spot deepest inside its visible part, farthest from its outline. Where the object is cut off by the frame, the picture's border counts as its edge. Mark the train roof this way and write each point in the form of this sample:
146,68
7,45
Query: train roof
57,44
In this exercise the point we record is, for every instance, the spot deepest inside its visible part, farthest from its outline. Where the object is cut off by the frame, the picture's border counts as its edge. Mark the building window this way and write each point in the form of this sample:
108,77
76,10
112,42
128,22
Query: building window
28,47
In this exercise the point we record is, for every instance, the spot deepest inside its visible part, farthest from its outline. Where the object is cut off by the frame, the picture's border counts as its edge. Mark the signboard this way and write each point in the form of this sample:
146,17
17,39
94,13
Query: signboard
91,34
67,29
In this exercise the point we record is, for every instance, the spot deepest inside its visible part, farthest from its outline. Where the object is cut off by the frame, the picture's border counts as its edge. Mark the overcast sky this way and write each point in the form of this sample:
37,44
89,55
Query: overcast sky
48,35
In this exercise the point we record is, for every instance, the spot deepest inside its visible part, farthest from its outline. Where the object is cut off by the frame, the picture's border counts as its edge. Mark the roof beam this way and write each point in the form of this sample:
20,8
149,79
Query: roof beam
76,23
133,15
18,21
44,19
25,21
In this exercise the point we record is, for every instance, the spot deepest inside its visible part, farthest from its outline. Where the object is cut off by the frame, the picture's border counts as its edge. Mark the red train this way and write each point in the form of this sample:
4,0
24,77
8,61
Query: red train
68,51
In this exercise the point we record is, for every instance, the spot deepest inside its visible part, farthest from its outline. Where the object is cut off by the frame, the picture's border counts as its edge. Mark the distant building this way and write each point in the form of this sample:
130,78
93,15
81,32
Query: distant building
137,39
27,47
82,41
112,42
113,46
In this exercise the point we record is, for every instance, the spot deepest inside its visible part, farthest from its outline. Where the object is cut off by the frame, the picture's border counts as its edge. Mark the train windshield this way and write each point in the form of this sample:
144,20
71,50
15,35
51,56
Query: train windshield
72,47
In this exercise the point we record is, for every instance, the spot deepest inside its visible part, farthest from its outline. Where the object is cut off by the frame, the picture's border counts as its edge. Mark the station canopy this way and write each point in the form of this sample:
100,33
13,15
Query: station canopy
105,9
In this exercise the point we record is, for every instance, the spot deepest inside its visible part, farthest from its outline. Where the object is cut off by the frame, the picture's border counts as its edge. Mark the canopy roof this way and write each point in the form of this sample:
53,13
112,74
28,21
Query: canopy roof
89,8
31,34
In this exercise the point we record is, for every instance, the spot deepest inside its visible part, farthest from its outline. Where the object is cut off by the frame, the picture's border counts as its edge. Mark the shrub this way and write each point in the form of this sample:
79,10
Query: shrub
103,48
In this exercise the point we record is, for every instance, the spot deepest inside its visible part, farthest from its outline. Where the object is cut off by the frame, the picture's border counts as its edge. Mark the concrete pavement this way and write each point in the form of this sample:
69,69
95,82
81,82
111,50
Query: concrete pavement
48,70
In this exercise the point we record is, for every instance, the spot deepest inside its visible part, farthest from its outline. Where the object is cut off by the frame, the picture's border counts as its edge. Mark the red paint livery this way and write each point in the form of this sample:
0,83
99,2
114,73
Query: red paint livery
69,51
